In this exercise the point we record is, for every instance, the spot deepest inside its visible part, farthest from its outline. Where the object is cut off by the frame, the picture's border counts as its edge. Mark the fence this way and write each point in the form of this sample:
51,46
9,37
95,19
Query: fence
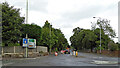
20,49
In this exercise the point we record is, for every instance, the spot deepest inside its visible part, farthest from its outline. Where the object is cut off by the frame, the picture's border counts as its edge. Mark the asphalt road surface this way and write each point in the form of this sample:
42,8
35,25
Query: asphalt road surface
83,59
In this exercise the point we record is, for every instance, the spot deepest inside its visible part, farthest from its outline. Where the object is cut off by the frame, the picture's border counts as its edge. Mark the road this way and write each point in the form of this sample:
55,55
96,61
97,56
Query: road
83,59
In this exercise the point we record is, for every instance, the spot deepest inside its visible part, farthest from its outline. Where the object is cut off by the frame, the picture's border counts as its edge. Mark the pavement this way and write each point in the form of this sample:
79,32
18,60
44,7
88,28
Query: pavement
83,59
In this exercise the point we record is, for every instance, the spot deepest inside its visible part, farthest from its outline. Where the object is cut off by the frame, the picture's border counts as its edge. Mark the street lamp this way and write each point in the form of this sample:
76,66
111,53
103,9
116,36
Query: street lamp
26,23
100,33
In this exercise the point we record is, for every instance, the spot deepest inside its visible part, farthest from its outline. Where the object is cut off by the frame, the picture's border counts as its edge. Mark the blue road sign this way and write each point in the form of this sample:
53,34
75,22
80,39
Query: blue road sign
25,42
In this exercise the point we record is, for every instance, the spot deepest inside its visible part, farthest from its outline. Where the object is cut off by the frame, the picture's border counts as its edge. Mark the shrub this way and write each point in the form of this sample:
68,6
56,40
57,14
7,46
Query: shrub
114,47
98,48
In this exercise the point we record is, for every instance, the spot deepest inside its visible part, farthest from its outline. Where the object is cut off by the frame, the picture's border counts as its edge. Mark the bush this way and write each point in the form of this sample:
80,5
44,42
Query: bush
17,44
98,48
118,46
13,44
3,44
114,47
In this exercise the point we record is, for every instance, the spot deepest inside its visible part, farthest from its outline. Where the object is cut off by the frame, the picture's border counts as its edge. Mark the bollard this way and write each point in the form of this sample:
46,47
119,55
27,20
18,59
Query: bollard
76,53
56,53
73,53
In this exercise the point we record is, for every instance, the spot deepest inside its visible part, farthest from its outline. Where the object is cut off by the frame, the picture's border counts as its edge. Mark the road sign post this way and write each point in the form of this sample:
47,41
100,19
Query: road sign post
25,44
28,43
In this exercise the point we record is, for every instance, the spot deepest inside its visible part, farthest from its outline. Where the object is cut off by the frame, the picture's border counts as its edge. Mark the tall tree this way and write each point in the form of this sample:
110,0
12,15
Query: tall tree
88,39
11,24
0,24
53,38
105,25
33,31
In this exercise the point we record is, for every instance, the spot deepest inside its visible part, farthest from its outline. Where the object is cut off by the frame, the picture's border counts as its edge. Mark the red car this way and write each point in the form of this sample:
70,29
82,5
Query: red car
62,51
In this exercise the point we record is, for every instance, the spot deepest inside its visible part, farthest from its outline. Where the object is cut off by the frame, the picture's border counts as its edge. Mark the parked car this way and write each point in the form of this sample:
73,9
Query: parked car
67,51
62,51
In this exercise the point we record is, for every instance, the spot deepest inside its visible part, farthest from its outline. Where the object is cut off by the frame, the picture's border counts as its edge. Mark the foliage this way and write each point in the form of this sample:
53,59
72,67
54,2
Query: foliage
118,45
83,39
11,21
15,30
0,24
105,25
98,48
112,46
33,31
53,38
88,39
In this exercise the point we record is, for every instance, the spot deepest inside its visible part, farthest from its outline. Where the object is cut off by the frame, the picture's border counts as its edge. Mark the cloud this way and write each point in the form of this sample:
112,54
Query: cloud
85,12
34,5
38,5
68,14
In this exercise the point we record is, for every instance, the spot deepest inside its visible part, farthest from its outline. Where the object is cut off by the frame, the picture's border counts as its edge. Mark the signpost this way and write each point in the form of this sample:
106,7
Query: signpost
30,43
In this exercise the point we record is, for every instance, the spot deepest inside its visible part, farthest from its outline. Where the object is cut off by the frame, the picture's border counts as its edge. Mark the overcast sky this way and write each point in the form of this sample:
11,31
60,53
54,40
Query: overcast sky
69,14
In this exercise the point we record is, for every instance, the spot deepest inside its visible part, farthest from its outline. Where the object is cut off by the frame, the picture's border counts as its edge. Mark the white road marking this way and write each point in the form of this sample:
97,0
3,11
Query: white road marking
30,58
7,64
104,62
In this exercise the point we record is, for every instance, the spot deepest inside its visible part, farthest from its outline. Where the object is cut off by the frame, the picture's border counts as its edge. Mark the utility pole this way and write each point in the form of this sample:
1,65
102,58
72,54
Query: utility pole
26,23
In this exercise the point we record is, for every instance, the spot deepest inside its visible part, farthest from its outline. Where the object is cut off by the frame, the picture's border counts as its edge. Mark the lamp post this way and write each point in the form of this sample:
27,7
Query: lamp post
100,33
26,23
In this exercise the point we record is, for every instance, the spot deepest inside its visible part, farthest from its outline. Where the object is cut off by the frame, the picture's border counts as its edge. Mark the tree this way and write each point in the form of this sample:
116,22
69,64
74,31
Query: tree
11,24
46,35
0,25
118,43
53,38
88,39
33,31
104,39
105,25
76,39
112,46
61,41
